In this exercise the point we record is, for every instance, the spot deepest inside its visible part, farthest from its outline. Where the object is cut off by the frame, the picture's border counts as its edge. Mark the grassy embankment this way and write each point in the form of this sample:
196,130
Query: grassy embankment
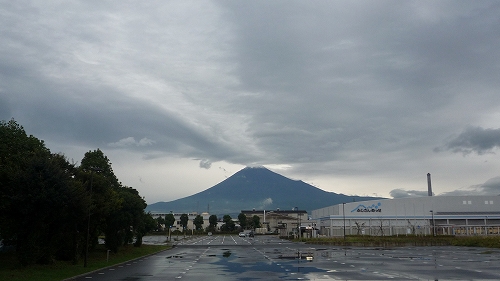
11,270
403,240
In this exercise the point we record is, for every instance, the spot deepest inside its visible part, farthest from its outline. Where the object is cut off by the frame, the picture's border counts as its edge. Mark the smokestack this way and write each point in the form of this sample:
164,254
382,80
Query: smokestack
429,186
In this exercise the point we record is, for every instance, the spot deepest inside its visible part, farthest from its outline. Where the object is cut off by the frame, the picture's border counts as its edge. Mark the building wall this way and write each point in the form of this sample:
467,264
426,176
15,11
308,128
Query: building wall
456,215
283,222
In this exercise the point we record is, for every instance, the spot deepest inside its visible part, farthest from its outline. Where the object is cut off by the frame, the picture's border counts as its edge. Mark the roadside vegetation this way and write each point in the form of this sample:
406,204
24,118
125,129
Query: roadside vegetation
54,210
11,269
410,240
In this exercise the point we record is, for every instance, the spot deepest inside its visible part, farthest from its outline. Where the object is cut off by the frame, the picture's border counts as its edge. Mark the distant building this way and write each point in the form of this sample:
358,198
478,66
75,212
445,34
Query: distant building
439,215
281,222
191,216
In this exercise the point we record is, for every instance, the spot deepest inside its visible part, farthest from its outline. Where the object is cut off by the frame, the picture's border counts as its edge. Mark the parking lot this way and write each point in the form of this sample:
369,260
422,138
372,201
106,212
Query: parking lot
230,257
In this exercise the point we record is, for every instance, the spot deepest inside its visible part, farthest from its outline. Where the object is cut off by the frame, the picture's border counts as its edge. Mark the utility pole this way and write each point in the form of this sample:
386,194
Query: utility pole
343,215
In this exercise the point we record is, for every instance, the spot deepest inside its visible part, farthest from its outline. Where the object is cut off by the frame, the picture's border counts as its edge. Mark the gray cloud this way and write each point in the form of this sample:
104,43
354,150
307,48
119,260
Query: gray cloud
130,141
474,139
205,164
350,96
401,193
490,187
266,203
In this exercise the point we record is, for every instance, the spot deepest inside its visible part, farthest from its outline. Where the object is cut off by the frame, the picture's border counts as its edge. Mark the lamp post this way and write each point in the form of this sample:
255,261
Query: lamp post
92,170
343,215
300,230
485,225
170,231
433,230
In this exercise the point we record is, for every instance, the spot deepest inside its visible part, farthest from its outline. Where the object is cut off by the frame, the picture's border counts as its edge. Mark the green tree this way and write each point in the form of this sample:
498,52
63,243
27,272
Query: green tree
116,211
146,225
169,220
212,221
97,160
184,221
122,223
50,203
198,222
242,218
41,204
47,205
160,223
255,221
17,151
228,223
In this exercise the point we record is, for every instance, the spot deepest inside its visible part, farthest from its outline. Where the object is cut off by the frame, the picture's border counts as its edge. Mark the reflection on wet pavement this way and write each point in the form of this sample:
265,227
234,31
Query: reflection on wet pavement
269,258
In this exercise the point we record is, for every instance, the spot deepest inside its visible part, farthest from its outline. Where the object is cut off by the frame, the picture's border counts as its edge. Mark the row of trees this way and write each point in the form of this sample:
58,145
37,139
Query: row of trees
228,226
51,208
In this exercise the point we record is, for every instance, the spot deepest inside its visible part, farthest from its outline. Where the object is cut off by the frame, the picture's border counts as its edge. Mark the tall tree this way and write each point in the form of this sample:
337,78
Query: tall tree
48,205
184,221
40,202
96,160
212,221
198,222
146,225
169,220
242,218
122,223
160,223
228,223
256,221
103,188
17,151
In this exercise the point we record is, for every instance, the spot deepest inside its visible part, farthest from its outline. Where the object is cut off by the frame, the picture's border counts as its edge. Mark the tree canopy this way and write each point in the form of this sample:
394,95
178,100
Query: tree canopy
228,223
212,222
47,204
184,221
198,222
242,218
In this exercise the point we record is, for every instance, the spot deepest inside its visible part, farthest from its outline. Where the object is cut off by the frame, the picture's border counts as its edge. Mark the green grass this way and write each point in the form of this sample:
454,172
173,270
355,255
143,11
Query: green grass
10,269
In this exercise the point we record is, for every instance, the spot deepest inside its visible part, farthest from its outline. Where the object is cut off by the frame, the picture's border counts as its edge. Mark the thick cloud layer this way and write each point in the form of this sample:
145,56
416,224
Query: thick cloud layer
354,97
475,139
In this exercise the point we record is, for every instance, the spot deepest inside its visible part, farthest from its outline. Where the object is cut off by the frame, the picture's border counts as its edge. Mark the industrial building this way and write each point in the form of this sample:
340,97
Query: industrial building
431,215
281,222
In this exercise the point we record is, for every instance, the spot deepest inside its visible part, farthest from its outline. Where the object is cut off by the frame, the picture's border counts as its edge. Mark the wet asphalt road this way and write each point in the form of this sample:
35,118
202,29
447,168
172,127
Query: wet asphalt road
229,257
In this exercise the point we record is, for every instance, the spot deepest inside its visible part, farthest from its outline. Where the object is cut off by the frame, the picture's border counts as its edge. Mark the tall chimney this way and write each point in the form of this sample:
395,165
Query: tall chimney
429,186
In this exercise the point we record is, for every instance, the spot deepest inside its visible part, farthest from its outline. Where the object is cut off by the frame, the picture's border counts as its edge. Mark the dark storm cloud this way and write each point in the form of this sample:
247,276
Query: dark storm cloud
5,111
337,89
333,73
475,139
490,187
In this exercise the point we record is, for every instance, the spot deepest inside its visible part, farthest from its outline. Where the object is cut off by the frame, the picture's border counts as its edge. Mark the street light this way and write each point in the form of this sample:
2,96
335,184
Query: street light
343,215
170,230
433,230
92,170
300,230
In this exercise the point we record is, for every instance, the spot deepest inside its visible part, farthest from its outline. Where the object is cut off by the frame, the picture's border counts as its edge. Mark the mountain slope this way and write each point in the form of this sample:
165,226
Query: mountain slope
255,188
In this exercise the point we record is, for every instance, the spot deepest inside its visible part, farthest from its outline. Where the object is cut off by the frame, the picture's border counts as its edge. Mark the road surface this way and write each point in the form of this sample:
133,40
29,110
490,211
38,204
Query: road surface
229,257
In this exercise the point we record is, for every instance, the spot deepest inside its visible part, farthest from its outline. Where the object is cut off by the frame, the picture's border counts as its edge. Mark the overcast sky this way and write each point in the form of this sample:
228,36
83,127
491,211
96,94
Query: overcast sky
354,97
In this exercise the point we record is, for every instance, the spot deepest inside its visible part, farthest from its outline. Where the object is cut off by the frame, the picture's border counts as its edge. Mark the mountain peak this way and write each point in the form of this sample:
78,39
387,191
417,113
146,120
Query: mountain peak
259,188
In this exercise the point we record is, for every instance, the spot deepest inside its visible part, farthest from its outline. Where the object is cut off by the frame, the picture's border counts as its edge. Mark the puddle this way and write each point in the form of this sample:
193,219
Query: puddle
226,254
174,257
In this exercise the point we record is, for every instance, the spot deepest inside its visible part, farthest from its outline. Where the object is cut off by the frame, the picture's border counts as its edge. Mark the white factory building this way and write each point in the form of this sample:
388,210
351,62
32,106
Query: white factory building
439,215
